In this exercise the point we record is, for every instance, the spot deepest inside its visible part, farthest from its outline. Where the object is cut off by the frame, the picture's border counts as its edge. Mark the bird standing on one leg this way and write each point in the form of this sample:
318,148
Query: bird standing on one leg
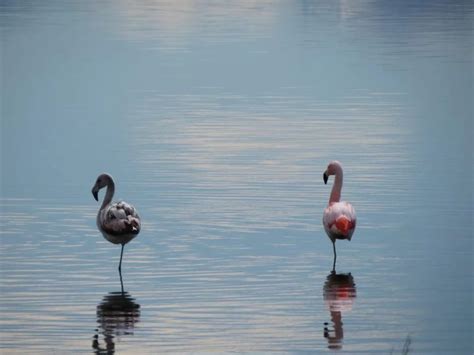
118,222
339,218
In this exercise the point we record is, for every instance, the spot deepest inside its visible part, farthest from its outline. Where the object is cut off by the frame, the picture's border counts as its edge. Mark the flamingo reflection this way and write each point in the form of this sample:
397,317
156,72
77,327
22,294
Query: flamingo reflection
117,315
339,295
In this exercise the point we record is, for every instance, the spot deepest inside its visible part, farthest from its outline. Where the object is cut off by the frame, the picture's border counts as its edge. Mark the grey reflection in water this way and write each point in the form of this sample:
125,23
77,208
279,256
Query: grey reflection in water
339,295
117,315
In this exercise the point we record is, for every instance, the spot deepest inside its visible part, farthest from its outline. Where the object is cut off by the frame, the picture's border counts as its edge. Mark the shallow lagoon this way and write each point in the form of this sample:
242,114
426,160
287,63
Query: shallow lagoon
217,122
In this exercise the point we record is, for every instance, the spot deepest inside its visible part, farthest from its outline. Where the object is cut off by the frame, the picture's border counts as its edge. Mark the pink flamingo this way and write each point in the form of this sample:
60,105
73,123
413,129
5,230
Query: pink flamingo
339,218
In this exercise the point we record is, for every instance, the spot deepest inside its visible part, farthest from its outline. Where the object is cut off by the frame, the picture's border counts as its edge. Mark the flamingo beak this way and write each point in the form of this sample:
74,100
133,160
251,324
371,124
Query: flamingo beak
95,192
325,178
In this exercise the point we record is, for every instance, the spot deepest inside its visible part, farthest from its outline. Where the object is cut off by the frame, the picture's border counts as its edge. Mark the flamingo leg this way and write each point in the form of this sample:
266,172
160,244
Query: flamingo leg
121,281
120,264
335,255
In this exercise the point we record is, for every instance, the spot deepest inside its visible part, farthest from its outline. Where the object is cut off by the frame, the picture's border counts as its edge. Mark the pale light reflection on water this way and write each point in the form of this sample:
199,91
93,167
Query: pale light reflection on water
217,121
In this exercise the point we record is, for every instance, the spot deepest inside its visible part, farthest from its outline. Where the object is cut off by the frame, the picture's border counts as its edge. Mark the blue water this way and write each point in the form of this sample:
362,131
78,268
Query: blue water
217,121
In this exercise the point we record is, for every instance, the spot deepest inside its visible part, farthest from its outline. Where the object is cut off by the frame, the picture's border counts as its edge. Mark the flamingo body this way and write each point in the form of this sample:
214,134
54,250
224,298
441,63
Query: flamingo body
339,220
118,222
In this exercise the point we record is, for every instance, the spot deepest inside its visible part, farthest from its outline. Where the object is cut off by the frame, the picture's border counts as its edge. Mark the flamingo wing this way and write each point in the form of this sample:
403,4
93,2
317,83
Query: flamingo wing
340,220
120,218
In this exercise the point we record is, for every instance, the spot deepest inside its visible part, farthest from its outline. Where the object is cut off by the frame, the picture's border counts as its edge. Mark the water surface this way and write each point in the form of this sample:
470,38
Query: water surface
217,122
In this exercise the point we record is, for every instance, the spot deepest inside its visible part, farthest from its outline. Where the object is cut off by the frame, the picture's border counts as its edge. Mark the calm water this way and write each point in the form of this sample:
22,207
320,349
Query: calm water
217,121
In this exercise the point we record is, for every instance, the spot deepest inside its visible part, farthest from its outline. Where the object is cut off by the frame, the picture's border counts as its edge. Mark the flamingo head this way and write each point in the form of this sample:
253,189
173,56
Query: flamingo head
333,168
102,181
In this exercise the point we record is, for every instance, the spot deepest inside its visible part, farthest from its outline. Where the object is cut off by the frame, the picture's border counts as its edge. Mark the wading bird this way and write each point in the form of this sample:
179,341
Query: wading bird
118,222
339,217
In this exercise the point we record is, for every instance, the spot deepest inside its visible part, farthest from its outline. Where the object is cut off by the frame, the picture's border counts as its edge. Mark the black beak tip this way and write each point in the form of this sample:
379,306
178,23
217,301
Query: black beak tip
325,178
96,195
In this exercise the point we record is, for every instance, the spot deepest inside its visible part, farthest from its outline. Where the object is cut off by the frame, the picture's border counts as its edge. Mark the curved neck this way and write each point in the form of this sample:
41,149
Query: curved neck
109,194
336,188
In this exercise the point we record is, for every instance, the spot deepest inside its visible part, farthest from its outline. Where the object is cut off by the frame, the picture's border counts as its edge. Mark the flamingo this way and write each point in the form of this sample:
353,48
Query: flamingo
118,222
339,218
